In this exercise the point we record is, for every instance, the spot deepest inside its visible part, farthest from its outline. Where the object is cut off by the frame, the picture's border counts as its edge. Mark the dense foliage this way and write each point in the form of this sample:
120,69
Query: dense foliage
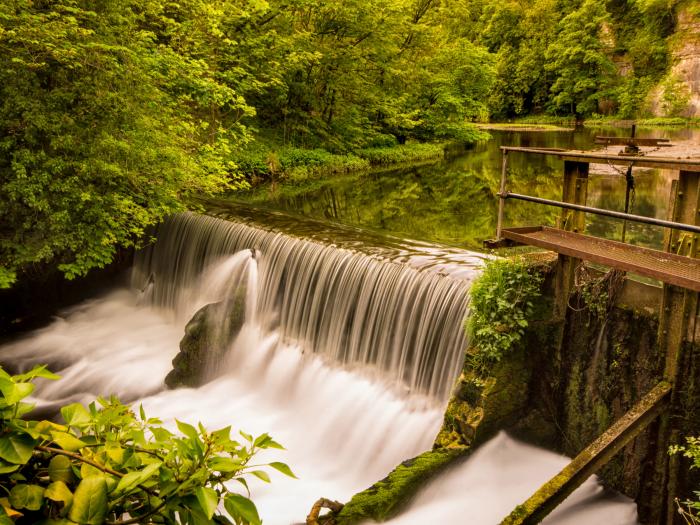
107,119
576,57
112,113
104,464
502,305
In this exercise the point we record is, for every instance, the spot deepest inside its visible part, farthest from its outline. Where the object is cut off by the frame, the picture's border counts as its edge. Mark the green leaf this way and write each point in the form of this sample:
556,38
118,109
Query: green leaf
7,468
4,518
223,464
37,371
133,479
261,475
66,441
283,468
187,429
59,491
240,507
162,435
16,448
60,469
222,435
28,497
15,392
24,408
76,415
89,502
208,500
265,441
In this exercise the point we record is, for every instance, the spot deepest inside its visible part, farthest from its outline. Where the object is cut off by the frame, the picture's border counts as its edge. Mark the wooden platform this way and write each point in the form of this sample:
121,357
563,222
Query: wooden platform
649,161
666,267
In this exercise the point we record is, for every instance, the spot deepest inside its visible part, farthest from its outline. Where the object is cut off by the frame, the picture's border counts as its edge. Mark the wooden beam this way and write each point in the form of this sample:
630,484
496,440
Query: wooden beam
668,163
594,456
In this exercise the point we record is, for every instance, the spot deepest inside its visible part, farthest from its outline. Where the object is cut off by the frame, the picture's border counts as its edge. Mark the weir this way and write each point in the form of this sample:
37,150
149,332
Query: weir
369,312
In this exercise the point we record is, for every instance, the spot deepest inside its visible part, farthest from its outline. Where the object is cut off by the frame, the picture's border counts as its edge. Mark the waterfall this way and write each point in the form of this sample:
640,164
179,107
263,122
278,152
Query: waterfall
384,318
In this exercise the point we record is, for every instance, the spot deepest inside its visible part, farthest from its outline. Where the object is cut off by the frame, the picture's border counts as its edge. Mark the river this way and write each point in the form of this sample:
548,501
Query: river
352,338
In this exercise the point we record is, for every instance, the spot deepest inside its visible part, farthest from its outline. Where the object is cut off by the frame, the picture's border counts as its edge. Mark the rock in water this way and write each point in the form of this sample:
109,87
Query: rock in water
207,337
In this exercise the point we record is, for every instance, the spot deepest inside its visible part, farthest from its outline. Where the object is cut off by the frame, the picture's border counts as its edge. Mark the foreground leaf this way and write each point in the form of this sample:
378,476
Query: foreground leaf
89,502
59,491
76,415
66,441
134,479
60,469
240,507
208,500
28,497
16,448
283,468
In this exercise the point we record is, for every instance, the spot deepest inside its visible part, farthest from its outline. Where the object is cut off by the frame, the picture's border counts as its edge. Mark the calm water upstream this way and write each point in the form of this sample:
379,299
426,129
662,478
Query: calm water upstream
453,201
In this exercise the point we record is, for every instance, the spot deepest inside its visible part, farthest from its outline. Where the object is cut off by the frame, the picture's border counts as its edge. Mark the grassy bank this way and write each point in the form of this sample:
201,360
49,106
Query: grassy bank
549,120
263,162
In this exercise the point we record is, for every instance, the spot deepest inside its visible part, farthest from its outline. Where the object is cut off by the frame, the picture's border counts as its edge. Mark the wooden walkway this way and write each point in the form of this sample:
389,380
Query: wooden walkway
666,267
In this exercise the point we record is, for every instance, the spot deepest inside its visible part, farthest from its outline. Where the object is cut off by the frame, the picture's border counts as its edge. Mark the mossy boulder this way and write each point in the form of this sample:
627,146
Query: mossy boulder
207,337
389,496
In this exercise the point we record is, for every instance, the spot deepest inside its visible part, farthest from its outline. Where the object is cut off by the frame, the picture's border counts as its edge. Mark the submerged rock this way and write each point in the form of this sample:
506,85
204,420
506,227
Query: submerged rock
207,337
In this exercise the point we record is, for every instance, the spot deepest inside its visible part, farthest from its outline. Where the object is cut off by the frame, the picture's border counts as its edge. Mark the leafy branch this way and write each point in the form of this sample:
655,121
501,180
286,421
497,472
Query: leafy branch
106,465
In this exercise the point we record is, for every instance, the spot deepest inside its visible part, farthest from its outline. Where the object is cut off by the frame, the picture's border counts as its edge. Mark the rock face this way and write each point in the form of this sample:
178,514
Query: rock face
679,94
207,337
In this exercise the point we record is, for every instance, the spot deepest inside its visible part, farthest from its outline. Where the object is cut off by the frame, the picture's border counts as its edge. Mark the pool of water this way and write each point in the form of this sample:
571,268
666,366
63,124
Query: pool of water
454,201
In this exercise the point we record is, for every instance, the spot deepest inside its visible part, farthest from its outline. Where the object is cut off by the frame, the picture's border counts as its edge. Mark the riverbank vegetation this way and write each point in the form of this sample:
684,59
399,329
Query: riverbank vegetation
502,304
107,465
114,113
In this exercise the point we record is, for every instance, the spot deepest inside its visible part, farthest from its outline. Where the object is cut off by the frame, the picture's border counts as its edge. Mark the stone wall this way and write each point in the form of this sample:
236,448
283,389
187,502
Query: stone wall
683,80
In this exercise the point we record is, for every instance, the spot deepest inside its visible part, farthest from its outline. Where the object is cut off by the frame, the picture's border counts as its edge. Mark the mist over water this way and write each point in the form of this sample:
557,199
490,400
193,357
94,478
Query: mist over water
345,359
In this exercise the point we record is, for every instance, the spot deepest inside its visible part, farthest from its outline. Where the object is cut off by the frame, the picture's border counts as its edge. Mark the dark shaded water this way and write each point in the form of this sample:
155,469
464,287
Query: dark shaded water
454,201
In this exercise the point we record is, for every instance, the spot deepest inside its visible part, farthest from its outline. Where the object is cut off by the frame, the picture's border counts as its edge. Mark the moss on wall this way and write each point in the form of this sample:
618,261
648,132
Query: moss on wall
388,496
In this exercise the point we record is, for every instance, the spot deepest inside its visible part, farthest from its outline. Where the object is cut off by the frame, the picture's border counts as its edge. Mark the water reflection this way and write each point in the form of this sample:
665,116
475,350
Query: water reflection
454,201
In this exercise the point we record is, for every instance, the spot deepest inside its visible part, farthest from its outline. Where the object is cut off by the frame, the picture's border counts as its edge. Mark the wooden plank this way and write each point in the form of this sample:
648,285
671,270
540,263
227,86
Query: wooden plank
622,160
594,456
628,141
666,267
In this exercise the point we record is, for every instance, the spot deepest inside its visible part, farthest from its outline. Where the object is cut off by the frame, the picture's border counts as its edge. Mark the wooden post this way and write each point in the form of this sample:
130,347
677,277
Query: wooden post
575,191
675,329
501,199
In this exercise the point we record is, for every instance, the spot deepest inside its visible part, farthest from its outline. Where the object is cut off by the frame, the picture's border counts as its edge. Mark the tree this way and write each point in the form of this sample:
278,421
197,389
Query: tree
102,131
579,61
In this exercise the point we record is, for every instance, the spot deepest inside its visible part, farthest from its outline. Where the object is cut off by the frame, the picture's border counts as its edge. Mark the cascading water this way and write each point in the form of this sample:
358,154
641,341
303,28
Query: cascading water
346,358
385,318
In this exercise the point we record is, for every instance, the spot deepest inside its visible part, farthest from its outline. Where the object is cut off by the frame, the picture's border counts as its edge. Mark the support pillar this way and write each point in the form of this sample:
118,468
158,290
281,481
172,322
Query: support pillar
676,328
575,191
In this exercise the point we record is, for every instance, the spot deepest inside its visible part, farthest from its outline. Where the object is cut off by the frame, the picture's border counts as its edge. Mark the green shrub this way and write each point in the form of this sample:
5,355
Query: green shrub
690,509
402,153
502,303
106,465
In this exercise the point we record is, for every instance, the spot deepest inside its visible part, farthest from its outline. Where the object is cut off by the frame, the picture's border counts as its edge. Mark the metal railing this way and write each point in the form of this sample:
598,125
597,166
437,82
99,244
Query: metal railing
503,195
